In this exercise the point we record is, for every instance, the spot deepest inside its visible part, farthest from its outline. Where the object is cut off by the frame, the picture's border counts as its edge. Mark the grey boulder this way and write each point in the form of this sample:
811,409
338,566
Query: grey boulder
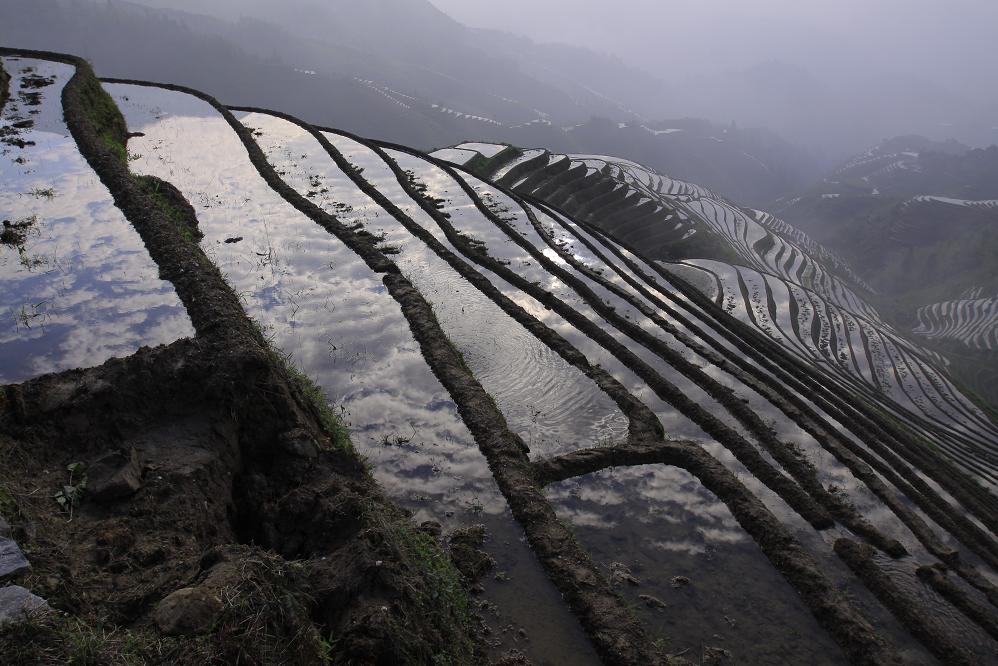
12,560
18,605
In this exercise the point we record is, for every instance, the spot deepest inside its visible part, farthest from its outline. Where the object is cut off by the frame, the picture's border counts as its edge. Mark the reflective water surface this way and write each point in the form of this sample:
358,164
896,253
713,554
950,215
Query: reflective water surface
77,286
700,579
546,400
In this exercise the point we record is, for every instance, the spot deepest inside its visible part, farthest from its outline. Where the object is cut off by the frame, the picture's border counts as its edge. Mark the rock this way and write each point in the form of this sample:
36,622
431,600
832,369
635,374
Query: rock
114,475
431,527
620,573
680,581
12,560
18,605
187,612
149,554
715,655
512,658
233,239
652,602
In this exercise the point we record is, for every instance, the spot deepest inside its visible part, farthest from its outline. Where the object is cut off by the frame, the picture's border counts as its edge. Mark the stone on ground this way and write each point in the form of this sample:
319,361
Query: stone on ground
19,605
12,560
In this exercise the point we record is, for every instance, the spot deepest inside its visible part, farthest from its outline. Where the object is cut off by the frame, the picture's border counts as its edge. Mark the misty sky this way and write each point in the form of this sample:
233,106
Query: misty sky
953,43
836,77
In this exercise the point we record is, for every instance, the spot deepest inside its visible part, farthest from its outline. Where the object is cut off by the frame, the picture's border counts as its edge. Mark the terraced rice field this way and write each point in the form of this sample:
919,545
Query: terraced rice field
742,457
878,162
972,322
860,352
506,275
985,204
783,284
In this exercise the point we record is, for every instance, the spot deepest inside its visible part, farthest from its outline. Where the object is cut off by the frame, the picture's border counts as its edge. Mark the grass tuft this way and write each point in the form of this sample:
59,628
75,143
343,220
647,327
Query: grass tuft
265,619
484,167
331,422
438,597
104,115
154,187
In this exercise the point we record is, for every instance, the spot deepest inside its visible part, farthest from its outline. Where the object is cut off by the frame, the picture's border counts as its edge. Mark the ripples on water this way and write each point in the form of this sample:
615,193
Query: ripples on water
938,610
543,398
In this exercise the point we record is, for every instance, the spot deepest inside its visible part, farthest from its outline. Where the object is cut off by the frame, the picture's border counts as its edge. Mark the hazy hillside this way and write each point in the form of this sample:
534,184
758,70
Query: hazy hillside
919,220
129,40
431,56
837,114
906,205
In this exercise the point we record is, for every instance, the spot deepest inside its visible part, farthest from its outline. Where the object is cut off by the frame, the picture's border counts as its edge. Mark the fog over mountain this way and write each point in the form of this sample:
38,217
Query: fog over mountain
836,75
832,78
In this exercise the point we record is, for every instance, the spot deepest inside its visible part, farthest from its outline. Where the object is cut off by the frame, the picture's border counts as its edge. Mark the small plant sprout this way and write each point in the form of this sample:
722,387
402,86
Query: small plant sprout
43,193
71,493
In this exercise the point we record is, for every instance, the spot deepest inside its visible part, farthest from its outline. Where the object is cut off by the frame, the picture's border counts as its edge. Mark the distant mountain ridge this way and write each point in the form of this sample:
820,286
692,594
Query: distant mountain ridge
404,71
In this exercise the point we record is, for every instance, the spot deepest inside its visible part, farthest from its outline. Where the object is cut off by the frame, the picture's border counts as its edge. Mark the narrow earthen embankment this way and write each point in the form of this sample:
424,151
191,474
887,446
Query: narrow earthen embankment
4,86
860,559
883,453
826,435
884,435
936,578
809,509
861,461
